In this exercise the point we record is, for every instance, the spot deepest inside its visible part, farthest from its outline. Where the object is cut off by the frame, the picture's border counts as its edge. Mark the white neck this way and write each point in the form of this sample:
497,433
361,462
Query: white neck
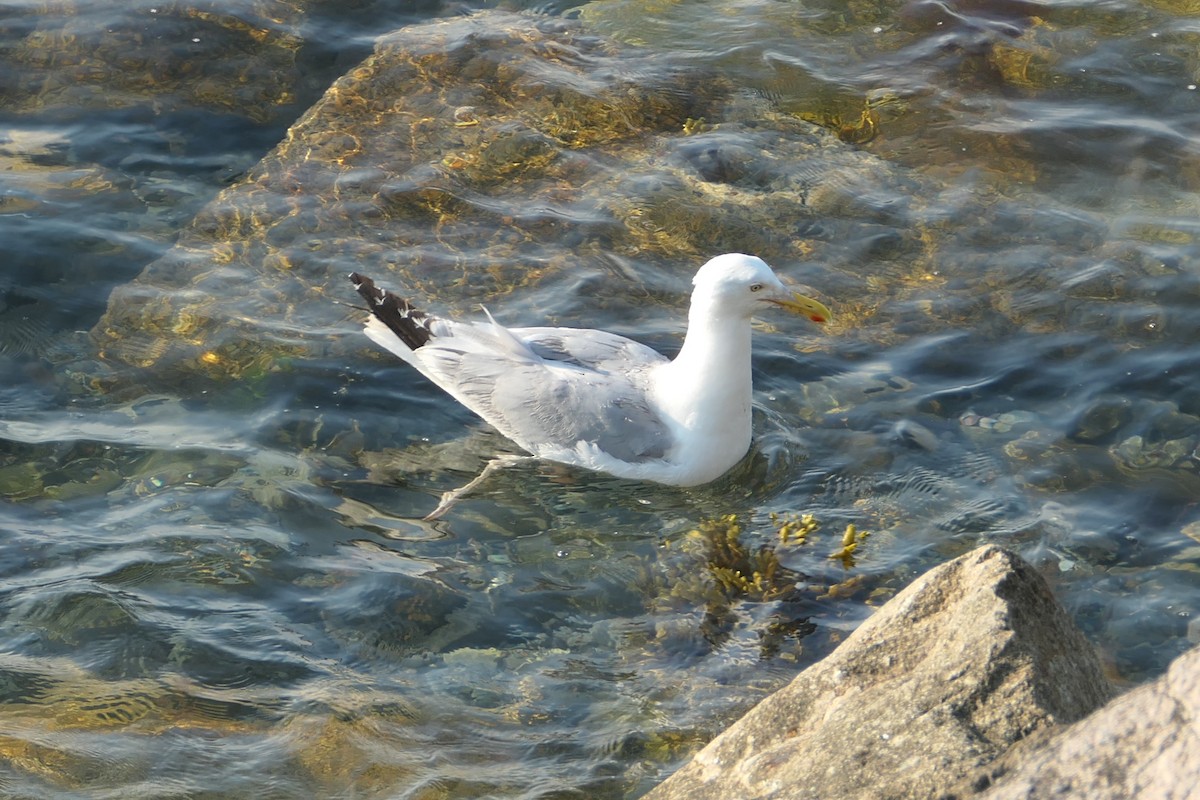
706,390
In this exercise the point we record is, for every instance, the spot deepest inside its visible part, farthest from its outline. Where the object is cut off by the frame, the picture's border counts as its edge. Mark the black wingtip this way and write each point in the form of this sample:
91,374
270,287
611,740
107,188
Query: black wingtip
366,287
410,324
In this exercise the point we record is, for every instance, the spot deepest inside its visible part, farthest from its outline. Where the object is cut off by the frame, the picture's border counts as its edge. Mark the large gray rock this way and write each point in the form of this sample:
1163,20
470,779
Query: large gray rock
1143,744
970,658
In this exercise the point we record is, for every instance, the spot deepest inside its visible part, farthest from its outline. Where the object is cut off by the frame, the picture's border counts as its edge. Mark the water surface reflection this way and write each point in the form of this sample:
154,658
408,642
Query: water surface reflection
215,576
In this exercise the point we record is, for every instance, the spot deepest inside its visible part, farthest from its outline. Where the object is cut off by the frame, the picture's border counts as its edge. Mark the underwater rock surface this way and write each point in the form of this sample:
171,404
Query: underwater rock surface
255,60
969,659
470,157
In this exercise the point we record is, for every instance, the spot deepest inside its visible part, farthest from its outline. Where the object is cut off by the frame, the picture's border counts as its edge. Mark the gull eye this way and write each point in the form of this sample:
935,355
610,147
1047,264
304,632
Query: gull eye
756,287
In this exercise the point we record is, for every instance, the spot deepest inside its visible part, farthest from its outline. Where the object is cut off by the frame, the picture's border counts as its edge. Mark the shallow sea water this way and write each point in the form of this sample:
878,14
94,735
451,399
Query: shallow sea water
218,584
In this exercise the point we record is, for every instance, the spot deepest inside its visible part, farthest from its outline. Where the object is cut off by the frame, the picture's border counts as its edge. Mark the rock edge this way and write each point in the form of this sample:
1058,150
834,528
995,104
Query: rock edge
971,658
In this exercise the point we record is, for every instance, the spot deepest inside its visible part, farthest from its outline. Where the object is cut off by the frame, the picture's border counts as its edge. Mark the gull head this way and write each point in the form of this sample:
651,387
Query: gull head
744,285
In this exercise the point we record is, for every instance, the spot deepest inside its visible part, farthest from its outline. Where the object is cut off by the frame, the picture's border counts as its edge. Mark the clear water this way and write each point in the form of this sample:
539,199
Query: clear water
224,588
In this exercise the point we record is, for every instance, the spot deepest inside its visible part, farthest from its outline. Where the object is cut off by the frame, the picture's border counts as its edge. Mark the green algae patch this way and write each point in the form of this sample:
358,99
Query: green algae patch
736,579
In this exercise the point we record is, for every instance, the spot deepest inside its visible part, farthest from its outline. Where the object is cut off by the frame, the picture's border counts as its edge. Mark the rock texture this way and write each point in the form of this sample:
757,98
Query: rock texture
1143,744
969,659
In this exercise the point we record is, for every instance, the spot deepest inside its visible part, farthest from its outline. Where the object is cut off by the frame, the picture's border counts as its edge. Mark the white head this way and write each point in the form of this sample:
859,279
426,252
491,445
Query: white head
741,285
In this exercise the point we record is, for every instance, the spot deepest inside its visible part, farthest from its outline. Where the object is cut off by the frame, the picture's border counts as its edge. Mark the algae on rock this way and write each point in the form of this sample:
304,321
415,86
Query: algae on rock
473,157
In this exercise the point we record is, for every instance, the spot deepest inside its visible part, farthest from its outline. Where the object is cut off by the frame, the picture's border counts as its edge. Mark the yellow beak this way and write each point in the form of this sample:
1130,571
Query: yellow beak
805,306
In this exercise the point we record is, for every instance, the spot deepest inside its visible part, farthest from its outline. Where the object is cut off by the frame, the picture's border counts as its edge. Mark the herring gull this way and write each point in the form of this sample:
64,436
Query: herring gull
595,399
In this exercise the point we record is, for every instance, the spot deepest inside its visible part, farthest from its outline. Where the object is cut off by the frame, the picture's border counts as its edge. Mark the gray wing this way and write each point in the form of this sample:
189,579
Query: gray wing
575,386
598,350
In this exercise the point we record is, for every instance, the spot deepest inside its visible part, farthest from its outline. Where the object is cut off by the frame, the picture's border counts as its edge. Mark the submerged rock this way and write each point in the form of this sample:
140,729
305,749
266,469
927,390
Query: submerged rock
64,55
479,155
969,659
